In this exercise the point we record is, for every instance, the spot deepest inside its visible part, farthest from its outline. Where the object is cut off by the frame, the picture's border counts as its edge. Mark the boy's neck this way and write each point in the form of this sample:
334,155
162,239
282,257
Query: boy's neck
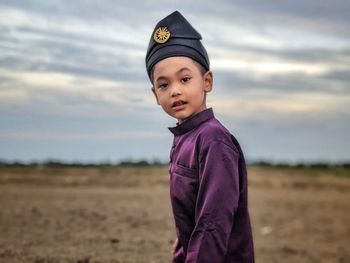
182,121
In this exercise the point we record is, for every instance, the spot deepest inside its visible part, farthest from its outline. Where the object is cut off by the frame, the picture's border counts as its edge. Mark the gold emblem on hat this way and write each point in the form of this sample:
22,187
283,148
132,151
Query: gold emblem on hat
161,35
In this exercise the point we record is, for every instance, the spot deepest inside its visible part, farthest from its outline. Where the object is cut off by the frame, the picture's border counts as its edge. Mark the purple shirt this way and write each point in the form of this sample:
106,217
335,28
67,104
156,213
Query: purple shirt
208,191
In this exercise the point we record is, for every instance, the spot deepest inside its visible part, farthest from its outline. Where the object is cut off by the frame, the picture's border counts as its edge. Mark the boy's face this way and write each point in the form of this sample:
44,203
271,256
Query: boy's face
180,88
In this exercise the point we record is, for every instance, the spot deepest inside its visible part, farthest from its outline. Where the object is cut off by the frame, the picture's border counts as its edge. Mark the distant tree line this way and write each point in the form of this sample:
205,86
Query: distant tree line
156,162
59,163
325,165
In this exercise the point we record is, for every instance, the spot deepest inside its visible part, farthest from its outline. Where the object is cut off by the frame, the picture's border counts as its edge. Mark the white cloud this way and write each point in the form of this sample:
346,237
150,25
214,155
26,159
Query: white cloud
29,83
268,67
256,105
73,136
13,95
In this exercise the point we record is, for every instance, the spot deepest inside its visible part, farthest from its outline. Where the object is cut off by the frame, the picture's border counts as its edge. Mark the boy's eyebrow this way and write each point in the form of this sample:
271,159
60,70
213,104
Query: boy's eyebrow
182,69
177,72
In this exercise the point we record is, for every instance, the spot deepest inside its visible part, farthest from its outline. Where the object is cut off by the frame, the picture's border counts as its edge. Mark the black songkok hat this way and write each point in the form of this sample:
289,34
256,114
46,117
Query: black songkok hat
175,36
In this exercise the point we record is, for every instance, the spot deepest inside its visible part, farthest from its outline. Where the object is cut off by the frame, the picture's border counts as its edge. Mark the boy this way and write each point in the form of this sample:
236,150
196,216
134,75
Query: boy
208,178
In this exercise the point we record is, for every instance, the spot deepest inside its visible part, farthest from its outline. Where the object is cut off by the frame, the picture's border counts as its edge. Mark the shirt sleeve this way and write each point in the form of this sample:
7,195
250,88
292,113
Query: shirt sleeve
216,204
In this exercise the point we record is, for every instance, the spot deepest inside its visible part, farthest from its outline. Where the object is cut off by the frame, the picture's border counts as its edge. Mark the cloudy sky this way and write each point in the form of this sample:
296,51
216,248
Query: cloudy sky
73,84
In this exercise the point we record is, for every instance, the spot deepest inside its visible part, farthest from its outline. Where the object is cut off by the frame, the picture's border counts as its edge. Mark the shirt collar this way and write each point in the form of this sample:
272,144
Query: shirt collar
192,122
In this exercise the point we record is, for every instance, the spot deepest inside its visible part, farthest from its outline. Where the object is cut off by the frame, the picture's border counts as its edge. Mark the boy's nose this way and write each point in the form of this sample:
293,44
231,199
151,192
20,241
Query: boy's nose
175,91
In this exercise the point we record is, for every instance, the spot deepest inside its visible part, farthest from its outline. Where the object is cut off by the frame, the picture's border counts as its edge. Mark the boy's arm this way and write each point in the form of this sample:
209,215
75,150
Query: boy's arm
217,202
178,255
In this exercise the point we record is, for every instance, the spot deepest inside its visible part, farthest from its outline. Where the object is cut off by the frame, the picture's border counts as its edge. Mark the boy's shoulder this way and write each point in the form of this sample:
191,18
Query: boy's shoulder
213,131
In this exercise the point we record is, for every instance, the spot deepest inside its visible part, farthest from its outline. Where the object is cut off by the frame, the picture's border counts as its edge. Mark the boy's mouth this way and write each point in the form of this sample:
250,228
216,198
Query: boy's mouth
178,103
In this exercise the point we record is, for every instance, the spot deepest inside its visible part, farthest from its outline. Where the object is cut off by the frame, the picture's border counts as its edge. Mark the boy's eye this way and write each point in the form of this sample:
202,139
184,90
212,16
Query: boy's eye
163,85
185,79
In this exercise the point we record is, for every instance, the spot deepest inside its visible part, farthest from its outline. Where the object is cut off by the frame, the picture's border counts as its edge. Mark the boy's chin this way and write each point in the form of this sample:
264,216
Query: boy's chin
181,117
178,116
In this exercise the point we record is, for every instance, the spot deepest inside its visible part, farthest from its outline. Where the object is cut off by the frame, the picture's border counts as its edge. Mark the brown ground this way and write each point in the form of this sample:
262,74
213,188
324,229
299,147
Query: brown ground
124,215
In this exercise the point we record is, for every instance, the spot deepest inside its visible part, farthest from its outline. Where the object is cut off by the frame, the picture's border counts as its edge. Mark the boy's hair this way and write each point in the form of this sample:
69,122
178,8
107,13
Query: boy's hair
202,70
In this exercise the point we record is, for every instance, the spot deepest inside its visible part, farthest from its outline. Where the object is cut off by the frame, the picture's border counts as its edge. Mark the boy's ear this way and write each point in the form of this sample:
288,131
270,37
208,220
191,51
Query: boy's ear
155,95
208,81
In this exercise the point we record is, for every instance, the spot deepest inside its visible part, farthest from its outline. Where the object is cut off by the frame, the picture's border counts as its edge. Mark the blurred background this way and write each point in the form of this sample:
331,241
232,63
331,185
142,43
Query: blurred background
73,84
84,146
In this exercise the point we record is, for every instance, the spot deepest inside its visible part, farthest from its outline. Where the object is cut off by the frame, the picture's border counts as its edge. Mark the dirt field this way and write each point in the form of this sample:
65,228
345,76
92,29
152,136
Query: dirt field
85,215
